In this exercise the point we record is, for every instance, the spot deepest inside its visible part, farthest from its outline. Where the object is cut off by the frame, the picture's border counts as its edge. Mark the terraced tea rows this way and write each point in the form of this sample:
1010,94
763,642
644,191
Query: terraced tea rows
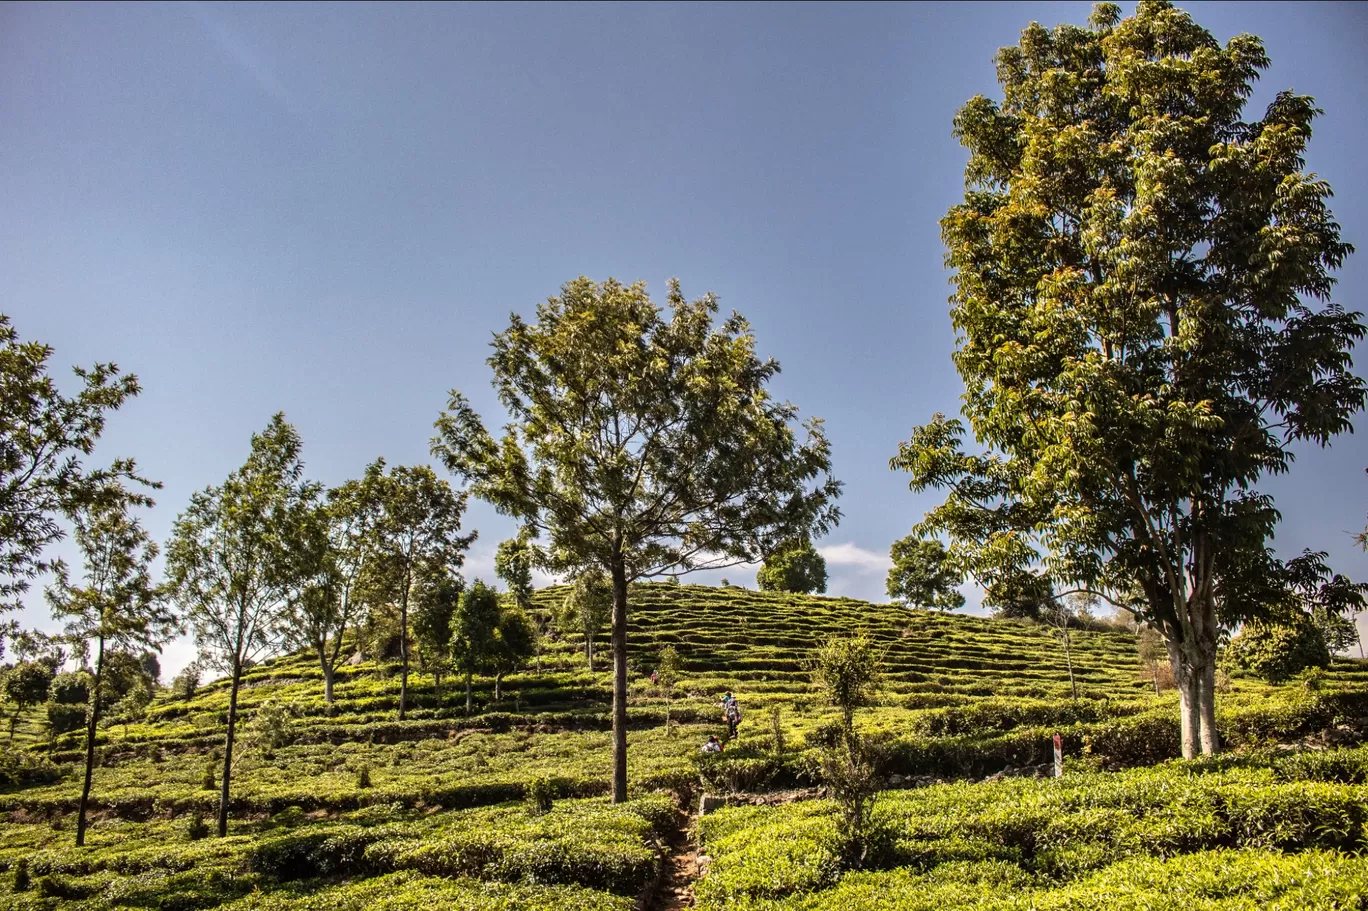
344,806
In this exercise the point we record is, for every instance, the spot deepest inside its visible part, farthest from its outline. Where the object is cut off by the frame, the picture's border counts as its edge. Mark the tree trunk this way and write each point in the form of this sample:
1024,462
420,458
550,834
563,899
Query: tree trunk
1211,741
1154,672
589,650
91,721
498,687
1068,660
327,680
470,702
403,651
228,750
619,636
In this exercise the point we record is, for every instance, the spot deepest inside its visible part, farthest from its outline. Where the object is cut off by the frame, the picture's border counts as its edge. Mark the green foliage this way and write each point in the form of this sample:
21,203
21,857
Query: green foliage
587,607
22,879
20,769
921,576
43,435
436,601
794,567
229,566
418,526
363,777
185,684
541,795
26,684
1046,844
1142,295
1278,649
514,641
473,631
848,671
513,564
661,452
196,828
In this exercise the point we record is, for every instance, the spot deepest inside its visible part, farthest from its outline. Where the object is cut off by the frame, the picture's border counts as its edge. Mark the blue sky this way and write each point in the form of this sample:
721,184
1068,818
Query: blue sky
328,210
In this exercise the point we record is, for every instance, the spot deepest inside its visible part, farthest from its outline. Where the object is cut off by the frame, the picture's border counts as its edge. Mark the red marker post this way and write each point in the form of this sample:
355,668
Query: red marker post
1058,755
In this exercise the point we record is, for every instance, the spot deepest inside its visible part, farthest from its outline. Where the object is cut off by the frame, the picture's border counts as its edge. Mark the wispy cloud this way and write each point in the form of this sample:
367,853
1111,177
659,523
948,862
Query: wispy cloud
857,558
238,50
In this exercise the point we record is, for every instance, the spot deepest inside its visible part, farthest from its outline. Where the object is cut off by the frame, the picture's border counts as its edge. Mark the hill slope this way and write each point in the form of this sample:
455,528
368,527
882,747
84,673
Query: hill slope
380,812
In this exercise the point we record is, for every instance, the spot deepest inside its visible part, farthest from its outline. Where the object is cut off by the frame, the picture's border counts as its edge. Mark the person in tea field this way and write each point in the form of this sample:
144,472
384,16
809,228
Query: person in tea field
713,745
731,713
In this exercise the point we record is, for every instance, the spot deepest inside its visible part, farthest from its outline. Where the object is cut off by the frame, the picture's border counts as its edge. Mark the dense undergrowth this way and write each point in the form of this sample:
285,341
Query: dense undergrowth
343,806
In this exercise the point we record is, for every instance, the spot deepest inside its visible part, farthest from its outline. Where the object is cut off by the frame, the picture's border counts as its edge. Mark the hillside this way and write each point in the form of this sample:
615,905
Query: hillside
344,806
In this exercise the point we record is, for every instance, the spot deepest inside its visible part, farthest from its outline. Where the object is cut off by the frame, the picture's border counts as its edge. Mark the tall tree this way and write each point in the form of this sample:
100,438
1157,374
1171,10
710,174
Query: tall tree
587,607
43,437
472,633
514,641
229,565
331,549
641,445
419,525
118,606
795,567
513,564
921,576
436,599
1142,296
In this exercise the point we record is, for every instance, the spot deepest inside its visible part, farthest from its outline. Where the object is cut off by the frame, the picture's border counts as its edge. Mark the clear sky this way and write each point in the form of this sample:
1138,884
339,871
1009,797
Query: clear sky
329,209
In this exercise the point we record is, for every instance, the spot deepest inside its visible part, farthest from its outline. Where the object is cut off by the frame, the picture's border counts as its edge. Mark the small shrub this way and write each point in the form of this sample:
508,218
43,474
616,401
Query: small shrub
22,880
197,828
777,729
363,777
540,796
210,780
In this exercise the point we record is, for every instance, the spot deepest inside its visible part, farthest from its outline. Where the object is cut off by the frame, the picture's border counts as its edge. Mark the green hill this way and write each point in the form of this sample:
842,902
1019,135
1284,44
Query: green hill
343,805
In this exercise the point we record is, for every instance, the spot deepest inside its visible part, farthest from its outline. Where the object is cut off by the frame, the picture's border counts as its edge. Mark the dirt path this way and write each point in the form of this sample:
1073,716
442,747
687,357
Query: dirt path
681,869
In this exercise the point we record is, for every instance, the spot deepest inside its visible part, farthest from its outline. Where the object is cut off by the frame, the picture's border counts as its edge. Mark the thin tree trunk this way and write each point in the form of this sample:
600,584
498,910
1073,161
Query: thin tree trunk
498,687
619,636
1154,671
91,721
470,702
1068,660
327,680
1211,742
589,650
228,750
403,651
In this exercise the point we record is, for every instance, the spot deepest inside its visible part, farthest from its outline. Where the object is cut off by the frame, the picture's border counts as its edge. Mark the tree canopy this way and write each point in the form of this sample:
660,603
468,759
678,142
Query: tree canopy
44,436
921,576
1143,284
641,445
795,567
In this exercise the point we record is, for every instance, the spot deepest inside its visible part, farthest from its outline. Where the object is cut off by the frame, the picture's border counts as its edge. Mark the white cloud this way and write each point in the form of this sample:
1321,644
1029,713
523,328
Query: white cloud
852,555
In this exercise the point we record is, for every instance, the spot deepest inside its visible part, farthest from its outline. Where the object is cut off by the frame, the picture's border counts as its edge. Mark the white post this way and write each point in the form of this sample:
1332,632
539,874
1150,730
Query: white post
1058,756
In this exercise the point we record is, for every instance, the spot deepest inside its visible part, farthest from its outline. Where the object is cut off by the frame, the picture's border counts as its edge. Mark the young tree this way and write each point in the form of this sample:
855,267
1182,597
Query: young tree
668,668
436,599
1141,294
229,568
27,685
513,564
794,567
419,525
331,552
641,445
1061,615
472,633
920,575
587,607
43,436
118,607
514,641
849,672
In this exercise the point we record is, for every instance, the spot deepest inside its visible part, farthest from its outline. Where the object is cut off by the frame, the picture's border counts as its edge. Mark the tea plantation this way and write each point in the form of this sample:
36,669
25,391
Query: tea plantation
343,806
